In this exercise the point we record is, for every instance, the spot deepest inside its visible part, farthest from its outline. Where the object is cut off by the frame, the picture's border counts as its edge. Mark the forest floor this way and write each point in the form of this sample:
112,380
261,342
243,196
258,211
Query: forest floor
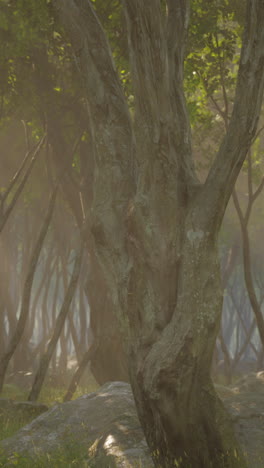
243,399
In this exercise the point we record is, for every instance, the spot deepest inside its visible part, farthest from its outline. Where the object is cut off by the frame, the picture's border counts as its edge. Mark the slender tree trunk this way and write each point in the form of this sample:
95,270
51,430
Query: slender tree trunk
53,311
2,328
45,359
16,337
44,314
5,215
247,265
227,359
63,357
74,336
83,319
79,371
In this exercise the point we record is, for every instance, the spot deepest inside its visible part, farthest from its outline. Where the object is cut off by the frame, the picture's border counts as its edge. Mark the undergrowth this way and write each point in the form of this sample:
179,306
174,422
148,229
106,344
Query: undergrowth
12,421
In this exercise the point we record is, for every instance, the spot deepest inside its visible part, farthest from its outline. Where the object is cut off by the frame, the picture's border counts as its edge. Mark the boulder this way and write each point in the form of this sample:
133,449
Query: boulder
245,403
104,425
252,382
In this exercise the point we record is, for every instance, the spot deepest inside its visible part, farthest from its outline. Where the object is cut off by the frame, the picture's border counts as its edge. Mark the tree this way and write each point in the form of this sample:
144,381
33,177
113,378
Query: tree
155,225
46,357
39,85
24,312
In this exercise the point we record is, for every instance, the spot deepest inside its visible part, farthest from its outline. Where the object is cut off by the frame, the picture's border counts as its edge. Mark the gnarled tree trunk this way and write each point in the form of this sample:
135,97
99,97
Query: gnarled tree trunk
155,226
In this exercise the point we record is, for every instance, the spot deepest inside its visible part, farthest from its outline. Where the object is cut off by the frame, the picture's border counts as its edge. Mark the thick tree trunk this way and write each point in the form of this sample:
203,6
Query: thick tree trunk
109,361
183,419
155,227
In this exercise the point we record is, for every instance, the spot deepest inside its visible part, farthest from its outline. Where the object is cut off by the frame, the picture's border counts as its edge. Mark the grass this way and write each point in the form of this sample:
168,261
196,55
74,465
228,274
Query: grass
11,422
59,460
70,457
52,392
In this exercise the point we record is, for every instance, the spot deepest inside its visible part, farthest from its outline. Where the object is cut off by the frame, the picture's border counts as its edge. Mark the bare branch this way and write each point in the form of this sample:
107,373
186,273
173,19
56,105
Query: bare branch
256,307
220,63
148,57
20,170
26,134
257,134
9,209
249,177
107,105
258,190
177,30
243,123
238,207
110,130
26,297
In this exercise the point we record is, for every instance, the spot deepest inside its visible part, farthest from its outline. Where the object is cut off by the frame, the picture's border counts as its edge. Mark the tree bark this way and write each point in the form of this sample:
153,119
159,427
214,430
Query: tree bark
155,226
109,363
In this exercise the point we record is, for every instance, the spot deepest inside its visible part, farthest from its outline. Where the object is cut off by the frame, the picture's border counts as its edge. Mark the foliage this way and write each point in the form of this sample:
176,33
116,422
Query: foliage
38,68
210,72
49,396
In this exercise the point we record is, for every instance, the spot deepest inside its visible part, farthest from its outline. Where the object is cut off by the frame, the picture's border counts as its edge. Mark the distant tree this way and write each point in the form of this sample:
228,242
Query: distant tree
25,303
38,83
58,327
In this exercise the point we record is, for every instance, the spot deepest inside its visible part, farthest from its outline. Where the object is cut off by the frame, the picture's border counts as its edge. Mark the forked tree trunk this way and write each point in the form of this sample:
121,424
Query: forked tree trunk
155,226
183,419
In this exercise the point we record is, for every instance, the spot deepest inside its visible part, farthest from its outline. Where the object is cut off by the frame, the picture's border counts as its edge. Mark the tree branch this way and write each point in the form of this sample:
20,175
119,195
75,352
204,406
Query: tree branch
148,59
36,150
157,46
111,133
177,30
106,100
243,123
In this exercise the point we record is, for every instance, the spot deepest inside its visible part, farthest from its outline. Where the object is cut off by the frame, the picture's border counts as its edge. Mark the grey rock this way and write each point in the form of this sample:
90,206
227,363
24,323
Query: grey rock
105,424
245,403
